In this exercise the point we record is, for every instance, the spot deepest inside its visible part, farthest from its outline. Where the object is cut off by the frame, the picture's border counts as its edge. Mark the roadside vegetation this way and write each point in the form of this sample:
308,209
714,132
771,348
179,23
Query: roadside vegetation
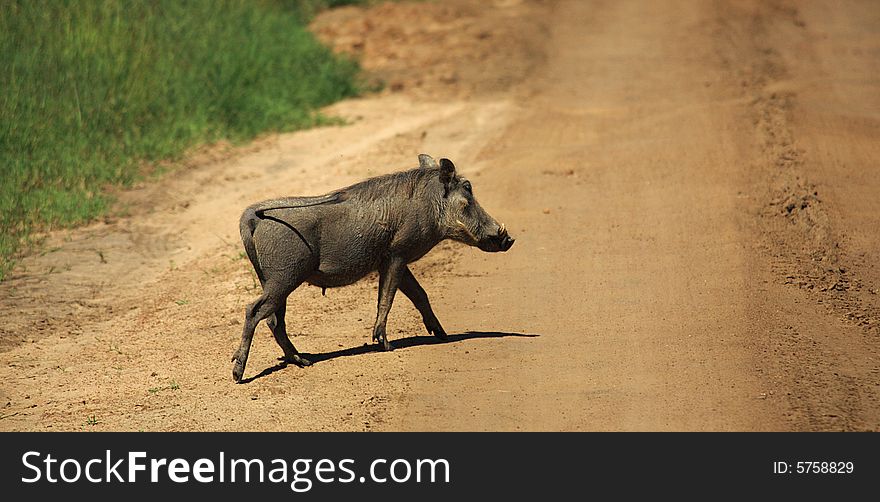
95,92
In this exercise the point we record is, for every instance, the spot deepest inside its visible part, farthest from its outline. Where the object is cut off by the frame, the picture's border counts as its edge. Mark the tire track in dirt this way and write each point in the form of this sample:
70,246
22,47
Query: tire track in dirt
632,254
829,371
795,212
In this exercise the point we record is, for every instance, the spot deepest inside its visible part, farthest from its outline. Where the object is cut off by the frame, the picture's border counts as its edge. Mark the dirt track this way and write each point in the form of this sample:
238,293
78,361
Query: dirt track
693,187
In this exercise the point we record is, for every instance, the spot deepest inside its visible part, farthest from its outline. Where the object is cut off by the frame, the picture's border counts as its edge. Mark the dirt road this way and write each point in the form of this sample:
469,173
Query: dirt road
693,190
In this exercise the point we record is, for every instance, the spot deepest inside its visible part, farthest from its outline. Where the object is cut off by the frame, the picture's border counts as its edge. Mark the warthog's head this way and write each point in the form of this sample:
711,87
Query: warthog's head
461,216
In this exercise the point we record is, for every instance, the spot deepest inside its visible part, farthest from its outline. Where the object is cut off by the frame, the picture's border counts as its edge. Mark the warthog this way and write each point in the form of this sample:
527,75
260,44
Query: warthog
333,240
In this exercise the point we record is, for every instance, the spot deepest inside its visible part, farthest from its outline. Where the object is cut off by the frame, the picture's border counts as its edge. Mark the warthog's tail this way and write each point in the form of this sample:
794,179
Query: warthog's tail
246,226
254,214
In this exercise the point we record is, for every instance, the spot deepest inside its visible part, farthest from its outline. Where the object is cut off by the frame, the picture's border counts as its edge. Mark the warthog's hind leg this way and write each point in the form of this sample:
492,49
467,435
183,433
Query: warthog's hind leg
256,312
279,331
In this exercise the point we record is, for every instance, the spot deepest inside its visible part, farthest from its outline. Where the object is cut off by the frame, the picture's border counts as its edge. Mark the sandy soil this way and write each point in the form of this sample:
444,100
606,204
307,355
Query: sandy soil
693,190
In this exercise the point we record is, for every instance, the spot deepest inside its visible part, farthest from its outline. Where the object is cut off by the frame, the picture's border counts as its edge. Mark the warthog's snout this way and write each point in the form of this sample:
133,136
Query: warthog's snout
505,241
501,241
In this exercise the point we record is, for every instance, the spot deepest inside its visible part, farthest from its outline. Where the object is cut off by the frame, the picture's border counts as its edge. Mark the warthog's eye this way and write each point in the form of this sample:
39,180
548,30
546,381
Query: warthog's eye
467,186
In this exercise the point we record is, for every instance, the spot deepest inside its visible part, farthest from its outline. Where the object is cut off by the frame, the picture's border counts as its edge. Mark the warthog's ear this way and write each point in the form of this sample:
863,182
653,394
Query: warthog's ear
447,173
426,161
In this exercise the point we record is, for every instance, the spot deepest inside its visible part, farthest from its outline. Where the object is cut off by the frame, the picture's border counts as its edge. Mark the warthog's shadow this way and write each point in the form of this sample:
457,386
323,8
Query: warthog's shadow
403,343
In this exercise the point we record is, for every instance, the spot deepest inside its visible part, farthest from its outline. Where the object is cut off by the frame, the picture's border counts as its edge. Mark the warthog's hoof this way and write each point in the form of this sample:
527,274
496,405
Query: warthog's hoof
433,326
298,360
438,331
237,370
381,338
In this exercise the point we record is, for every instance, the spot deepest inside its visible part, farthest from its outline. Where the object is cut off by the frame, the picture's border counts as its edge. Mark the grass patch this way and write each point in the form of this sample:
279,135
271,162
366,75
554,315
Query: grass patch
173,386
95,90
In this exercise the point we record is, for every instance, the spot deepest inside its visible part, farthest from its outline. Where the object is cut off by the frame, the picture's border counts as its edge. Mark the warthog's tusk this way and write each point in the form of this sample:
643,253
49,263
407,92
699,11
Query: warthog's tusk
503,230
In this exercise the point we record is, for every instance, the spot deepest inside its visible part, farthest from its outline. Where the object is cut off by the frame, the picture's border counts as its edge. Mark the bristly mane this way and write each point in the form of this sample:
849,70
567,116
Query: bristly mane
384,185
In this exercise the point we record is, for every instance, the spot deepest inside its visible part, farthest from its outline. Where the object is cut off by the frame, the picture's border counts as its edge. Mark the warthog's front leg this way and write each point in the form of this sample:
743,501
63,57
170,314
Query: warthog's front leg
413,290
390,272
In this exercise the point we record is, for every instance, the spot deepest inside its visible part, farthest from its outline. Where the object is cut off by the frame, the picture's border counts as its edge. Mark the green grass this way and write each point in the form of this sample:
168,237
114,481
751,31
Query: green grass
92,92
